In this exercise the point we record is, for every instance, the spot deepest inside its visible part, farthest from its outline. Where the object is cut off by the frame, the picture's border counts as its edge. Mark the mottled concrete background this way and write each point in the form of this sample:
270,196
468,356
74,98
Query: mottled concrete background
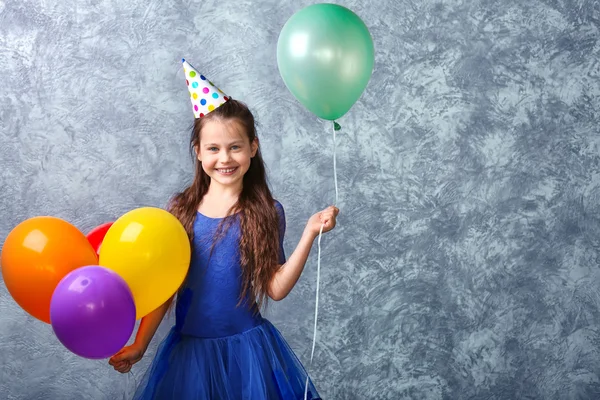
465,265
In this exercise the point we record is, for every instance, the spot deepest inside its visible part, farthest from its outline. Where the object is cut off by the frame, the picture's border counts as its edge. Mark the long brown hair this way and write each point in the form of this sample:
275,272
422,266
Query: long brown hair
259,241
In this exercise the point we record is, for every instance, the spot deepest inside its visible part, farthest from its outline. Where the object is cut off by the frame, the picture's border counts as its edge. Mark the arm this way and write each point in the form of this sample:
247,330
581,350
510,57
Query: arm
129,355
288,274
149,325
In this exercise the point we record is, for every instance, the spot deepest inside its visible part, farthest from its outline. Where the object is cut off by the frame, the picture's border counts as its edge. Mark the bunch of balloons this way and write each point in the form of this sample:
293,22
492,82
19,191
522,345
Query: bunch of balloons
92,288
325,56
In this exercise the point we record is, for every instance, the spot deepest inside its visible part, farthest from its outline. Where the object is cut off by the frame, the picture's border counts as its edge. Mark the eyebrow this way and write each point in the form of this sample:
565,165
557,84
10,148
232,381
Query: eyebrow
230,144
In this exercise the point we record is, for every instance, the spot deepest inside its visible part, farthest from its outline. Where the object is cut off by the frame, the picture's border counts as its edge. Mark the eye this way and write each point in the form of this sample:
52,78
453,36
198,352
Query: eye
235,147
212,149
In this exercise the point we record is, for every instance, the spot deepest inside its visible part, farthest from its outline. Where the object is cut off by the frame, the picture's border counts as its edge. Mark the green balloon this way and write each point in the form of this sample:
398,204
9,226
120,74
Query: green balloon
325,56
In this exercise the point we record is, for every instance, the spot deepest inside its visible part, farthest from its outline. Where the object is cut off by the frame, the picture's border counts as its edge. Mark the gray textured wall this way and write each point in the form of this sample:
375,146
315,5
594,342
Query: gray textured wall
465,265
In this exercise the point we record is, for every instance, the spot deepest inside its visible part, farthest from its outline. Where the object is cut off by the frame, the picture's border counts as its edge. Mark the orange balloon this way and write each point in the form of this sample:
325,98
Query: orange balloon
36,255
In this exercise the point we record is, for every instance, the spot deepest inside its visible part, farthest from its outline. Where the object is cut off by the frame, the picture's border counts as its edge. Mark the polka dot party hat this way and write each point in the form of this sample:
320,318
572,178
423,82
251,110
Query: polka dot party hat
205,96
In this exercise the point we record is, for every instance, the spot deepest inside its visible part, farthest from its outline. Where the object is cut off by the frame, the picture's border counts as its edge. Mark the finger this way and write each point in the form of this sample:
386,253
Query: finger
331,222
121,364
116,356
327,216
128,367
119,358
124,368
112,361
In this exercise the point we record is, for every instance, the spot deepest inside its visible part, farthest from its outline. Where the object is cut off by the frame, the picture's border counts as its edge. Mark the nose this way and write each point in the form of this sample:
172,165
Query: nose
224,156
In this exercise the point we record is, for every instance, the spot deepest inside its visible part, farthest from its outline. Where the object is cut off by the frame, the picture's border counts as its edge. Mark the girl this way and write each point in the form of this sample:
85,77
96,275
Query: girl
220,346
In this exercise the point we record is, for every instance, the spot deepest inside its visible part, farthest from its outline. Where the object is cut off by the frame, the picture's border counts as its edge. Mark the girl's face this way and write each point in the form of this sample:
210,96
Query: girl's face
225,152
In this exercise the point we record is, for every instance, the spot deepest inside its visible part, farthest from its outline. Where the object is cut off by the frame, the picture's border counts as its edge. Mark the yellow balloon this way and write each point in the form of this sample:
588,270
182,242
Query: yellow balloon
149,248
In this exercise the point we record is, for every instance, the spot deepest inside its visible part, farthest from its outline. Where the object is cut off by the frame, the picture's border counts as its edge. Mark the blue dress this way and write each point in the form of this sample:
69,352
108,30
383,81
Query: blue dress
218,350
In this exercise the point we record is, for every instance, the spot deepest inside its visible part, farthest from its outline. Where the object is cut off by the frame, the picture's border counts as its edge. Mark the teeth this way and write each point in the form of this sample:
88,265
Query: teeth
226,171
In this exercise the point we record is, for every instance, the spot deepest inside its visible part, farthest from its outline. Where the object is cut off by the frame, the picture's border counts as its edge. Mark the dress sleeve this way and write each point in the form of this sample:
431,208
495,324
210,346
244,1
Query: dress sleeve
282,226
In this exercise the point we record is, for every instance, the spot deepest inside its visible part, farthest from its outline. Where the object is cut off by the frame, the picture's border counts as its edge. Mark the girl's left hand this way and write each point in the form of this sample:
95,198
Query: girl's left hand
327,218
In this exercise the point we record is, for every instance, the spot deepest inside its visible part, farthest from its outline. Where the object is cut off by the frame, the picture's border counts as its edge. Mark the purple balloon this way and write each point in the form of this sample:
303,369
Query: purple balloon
92,312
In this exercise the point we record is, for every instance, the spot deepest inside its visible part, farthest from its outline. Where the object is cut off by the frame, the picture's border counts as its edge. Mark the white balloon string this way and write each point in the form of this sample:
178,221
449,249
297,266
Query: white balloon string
335,166
314,341
130,373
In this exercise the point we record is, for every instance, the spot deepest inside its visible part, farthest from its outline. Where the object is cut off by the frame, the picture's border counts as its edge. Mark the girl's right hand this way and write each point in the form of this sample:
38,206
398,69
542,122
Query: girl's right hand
124,359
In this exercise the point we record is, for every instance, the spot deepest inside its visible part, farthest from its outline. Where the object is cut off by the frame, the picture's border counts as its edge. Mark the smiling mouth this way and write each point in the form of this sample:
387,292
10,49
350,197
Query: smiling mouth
226,171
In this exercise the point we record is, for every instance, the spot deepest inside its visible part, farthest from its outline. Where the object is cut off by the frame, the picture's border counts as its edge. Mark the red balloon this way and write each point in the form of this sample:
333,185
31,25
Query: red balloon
96,236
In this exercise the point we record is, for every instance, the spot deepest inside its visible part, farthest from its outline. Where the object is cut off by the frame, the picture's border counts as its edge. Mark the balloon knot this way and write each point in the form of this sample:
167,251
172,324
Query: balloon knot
336,126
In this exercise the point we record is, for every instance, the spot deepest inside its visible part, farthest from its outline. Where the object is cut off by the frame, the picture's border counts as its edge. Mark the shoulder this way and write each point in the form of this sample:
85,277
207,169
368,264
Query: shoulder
280,211
279,207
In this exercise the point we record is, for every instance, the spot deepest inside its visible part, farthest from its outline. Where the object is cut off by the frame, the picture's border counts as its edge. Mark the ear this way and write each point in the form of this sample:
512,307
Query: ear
197,151
254,146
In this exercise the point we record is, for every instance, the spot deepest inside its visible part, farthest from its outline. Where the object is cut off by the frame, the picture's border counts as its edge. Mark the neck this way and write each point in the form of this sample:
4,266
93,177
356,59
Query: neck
224,192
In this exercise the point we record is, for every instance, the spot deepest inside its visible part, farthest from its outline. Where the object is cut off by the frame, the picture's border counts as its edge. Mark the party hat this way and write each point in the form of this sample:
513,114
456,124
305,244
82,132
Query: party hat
205,96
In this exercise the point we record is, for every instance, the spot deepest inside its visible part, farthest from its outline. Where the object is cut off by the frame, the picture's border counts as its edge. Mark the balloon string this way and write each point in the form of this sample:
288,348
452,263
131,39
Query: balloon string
336,127
130,373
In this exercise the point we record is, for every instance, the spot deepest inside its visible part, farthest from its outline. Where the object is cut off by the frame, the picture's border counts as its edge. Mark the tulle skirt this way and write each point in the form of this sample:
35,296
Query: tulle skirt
256,364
